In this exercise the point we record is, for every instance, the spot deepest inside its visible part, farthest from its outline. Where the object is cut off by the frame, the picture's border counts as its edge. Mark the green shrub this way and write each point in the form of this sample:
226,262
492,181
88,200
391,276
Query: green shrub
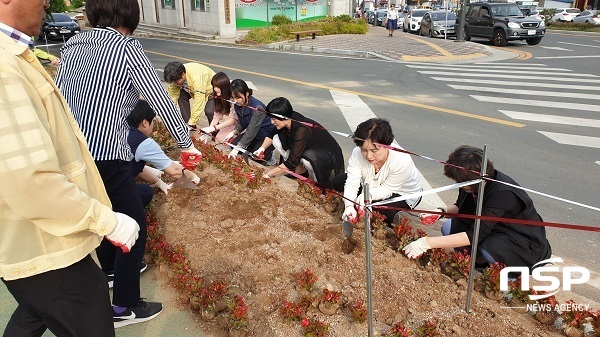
280,20
57,6
548,13
76,3
344,18
585,27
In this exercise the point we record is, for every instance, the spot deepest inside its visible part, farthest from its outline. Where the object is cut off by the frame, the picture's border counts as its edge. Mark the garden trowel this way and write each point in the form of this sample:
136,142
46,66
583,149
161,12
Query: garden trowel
348,227
185,182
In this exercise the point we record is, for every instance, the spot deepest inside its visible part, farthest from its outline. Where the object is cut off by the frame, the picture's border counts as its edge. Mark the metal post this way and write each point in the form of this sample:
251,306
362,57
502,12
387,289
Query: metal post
368,257
461,23
475,242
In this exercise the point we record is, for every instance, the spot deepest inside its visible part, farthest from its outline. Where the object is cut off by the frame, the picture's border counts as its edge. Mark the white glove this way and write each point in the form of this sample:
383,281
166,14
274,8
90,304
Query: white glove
195,179
204,138
229,137
208,129
266,176
233,153
125,232
416,248
360,201
163,186
155,172
349,214
193,150
259,152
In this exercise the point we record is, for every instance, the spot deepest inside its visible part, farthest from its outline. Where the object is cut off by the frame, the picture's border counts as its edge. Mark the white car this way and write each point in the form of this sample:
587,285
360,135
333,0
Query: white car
592,16
412,20
566,14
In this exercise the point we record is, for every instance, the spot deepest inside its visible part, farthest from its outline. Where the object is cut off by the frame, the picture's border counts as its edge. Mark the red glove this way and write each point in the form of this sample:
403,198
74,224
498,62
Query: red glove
429,219
190,160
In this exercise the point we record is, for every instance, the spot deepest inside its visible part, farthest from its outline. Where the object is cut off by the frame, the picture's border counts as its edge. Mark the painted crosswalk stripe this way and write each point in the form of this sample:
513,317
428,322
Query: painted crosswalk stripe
577,140
538,103
251,85
579,44
555,48
523,84
460,67
563,120
356,111
488,75
526,92
514,64
564,72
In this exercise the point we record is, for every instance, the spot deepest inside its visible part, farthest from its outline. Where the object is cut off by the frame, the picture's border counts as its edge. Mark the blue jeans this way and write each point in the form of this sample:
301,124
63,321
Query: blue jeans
446,230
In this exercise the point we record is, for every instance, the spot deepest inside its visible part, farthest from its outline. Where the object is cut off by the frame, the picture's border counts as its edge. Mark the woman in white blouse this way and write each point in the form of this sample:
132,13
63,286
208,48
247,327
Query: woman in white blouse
389,173
392,19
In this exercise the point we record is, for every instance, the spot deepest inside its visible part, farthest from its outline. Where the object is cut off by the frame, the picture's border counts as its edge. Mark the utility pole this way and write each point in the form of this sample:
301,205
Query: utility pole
461,23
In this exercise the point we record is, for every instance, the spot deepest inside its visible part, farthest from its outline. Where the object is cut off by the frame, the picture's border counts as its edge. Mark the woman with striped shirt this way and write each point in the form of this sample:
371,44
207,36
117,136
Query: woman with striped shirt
102,74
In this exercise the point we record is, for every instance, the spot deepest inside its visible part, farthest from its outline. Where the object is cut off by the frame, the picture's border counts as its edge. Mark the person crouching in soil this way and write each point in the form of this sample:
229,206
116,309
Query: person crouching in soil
304,149
504,242
389,173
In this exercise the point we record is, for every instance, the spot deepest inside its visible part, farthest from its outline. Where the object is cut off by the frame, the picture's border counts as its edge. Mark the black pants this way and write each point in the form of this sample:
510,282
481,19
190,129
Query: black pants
124,196
186,110
70,302
146,193
338,185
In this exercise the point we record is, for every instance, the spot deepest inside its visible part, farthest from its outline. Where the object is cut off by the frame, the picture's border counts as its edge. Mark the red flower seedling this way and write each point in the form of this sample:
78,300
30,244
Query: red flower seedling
400,330
306,280
358,311
291,311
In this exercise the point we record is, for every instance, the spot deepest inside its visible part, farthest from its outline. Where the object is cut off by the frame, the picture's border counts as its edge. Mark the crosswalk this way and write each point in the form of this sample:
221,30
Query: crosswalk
531,92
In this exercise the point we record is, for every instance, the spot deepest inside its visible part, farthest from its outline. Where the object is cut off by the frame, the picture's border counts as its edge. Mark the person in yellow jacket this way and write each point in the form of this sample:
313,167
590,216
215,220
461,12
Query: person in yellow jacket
191,81
46,56
54,210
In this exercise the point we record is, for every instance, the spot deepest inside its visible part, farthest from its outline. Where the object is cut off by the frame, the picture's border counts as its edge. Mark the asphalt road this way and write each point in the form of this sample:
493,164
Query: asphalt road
435,108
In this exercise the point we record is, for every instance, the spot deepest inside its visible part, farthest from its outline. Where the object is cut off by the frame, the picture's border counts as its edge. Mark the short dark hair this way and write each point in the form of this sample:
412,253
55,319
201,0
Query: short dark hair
377,130
280,106
141,112
470,158
113,13
174,71
239,88
221,80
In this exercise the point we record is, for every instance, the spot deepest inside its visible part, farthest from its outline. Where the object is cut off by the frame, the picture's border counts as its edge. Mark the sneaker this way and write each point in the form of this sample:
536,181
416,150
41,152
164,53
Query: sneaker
271,162
141,312
111,276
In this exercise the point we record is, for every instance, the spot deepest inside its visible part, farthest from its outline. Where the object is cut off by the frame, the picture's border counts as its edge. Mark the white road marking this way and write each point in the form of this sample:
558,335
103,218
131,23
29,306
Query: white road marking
594,123
514,64
356,111
48,45
504,71
577,140
598,162
568,57
579,44
526,66
538,103
554,48
555,77
475,67
523,84
526,92
251,86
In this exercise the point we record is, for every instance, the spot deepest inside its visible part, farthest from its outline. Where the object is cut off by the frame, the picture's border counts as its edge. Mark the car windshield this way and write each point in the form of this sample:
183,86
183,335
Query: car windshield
381,14
419,14
441,16
573,11
506,10
57,17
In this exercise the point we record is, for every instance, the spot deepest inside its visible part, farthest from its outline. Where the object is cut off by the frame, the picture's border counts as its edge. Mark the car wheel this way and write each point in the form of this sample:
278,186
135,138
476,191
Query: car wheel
534,41
499,38
466,34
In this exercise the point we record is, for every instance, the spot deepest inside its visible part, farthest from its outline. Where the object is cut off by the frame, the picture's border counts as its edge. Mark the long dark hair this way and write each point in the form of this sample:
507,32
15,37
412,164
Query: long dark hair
221,81
239,88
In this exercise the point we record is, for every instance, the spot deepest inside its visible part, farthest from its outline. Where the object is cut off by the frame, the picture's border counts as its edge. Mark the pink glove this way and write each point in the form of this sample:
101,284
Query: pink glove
125,232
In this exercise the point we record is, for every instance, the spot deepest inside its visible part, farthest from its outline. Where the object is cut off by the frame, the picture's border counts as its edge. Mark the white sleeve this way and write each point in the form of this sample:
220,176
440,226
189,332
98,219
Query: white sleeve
400,173
354,172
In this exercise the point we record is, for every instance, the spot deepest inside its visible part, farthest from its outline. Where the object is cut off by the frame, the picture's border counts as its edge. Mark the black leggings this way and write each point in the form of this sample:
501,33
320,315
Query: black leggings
125,198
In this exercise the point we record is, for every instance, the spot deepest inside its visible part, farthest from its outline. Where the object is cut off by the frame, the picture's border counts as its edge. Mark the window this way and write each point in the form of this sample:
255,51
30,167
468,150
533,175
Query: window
485,11
200,5
168,4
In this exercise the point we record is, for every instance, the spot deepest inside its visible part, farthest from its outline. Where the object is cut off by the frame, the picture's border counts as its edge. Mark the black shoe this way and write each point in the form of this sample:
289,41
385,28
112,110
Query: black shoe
141,312
111,276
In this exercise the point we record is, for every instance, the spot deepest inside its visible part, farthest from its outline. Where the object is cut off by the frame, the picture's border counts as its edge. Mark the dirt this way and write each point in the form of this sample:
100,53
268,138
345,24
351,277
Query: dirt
258,239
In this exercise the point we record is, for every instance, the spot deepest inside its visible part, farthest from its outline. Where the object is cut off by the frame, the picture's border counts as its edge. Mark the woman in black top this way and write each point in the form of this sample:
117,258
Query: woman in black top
304,148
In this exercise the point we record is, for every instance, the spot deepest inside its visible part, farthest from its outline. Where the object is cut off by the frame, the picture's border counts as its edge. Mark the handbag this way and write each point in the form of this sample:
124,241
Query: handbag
385,22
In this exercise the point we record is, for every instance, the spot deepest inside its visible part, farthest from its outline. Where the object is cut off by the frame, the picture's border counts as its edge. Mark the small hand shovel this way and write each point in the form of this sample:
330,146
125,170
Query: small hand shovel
348,228
185,182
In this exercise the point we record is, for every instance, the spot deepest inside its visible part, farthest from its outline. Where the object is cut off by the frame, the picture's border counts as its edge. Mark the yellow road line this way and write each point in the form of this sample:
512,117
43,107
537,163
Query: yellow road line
523,55
432,45
382,98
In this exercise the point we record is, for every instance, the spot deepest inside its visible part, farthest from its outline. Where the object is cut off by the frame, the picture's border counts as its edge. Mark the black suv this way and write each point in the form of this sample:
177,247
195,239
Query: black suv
501,22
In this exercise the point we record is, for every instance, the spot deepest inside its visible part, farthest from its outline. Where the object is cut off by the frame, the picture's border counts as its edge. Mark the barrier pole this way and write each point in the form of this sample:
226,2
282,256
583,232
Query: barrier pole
368,258
476,233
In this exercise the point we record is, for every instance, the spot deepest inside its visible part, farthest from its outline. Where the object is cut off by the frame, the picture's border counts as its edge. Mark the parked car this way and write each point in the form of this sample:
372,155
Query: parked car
412,20
566,14
438,24
590,16
381,15
536,14
501,22
58,26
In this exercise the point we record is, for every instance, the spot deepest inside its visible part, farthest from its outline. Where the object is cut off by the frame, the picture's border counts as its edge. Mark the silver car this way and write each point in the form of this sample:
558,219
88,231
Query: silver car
438,24
591,16
412,20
